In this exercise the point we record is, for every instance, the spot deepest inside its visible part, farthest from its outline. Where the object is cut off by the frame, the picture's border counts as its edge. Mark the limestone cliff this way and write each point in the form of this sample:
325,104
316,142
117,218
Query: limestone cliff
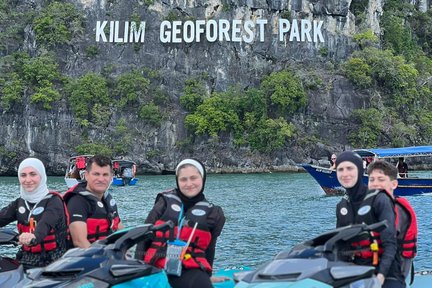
319,37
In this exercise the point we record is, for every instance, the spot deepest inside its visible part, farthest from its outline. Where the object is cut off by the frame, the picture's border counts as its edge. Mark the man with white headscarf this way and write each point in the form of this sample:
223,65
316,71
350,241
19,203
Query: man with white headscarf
40,215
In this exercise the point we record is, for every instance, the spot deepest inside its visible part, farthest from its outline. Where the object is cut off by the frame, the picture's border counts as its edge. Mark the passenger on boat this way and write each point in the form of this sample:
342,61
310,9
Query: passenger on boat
333,162
116,168
93,212
402,167
127,172
367,161
134,170
199,222
361,205
74,174
41,217
383,176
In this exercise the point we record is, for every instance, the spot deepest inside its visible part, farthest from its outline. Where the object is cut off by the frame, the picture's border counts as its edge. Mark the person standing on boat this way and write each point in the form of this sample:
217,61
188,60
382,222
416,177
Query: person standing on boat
199,222
361,205
41,217
402,167
383,176
93,212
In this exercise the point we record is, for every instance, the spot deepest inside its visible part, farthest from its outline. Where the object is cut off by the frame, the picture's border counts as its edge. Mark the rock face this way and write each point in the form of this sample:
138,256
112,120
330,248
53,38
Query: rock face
52,135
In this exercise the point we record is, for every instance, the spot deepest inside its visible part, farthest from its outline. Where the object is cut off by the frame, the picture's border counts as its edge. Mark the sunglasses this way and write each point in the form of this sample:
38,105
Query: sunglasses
333,158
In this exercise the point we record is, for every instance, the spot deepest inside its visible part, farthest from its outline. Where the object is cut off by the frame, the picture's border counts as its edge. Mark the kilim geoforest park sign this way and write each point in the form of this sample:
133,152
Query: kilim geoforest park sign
221,30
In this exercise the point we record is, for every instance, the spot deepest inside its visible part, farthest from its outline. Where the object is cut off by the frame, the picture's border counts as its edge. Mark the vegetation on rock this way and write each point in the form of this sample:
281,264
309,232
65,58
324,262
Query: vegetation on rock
393,69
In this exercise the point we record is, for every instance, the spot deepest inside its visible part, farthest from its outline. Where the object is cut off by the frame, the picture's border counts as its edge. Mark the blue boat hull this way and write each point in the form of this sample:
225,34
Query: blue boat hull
119,181
327,179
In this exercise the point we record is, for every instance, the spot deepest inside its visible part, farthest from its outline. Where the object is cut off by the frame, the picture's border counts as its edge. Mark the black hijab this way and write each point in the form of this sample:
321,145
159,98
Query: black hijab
190,202
359,190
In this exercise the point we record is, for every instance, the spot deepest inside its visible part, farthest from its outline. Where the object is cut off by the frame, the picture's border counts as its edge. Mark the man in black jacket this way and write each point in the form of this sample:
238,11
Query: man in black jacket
362,205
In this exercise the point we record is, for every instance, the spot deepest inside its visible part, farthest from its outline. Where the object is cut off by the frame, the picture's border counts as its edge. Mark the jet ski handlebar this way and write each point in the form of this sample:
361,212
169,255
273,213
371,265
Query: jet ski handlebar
8,237
350,232
133,236
164,226
11,237
378,227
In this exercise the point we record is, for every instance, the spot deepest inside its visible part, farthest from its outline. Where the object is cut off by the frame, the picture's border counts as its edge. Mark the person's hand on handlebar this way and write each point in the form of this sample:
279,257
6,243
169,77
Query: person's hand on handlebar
381,278
26,238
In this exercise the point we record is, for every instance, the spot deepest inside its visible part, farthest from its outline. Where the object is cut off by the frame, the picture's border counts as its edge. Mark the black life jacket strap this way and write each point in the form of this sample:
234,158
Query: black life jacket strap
412,273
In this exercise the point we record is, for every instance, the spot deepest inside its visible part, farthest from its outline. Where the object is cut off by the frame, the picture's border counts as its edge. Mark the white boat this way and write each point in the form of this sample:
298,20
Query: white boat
75,170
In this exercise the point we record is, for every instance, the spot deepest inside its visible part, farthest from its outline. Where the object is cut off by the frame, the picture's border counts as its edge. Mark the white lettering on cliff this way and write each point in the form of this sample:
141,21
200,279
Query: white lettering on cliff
317,31
211,31
296,30
139,33
200,29
126,32
248,37
261,24
302,33
100,31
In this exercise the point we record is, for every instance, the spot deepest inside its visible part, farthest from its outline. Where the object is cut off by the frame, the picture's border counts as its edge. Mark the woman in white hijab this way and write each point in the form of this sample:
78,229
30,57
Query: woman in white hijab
40,215
200,223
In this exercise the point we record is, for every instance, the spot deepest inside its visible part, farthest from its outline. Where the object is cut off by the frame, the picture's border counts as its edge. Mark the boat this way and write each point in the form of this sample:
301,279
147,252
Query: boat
75,170
124,172
412,185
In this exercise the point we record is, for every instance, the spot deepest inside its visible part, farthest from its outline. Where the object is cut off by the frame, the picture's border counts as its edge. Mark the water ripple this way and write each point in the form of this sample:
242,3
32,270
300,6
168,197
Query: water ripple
265,212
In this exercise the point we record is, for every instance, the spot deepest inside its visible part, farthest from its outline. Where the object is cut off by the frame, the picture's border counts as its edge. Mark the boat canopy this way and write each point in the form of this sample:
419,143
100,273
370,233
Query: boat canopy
72,158
414,151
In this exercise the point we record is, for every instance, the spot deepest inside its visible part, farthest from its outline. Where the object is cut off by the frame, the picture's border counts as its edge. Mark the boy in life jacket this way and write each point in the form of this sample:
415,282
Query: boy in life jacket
361,205
41,217
93,212
383,176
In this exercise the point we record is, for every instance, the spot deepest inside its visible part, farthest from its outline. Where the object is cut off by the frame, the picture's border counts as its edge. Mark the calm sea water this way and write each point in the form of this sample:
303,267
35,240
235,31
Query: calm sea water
265,212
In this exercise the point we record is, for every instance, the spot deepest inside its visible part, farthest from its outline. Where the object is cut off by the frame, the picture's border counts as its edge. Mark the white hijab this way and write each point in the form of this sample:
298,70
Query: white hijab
42,190
192,162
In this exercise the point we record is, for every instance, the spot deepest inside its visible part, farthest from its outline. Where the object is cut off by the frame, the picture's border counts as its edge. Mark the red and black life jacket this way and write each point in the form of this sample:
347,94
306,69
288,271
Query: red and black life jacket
104,218
24,220
406,223
80,162
201,238
363,215
116,165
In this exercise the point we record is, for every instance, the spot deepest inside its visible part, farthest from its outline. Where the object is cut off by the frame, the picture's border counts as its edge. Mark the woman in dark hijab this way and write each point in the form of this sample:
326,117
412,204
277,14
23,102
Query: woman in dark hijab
197,222
350,176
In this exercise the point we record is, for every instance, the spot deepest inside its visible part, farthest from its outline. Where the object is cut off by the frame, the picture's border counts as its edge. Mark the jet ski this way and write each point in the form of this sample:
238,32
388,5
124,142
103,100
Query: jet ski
11,271
322,261
104,264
